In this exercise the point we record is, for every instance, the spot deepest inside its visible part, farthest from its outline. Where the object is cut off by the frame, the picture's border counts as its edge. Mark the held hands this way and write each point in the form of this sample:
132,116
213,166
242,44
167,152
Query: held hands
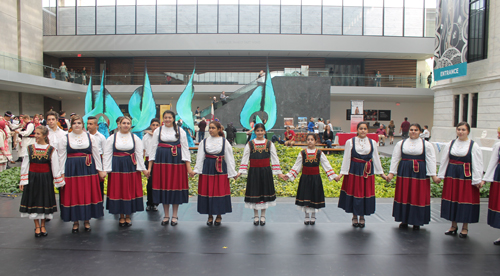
102,175
384,176
21,187
480,185
337,179
191,173
389,177
436,179
238,175
284,177
145,173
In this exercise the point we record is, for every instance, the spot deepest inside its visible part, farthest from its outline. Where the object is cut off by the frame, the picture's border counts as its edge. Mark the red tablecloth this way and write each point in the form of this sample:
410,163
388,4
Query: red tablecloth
343,137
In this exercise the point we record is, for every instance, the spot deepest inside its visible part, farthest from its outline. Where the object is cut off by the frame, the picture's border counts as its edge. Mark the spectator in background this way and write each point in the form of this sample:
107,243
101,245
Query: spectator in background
311,125
329,124
64,71
52,74
289,137
169,79
321,129
41,120
84,76
328,137
231,133
214,103
197,113
378,79
405,127
202,125
390,131
223,98
426,135
429,79
72,75
381,135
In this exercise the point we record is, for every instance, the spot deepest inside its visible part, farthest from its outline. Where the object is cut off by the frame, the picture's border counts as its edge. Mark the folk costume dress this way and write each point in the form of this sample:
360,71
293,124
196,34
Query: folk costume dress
461,168
39,173
27,135
170,177
4,147
310,195
413,161
360,164
79,158
215,165
260,162
493,175
122,160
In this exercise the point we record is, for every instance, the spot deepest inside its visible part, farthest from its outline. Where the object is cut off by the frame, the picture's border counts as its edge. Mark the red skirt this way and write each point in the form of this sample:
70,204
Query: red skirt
357,195
170,183
494,205
124,193
460,201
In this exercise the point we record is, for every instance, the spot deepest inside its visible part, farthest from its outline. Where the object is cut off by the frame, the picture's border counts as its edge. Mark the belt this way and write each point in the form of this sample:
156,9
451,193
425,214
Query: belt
39,167
122,154
416,167
174,148
310,170
259,163
88,157
218,161
467,170
368,166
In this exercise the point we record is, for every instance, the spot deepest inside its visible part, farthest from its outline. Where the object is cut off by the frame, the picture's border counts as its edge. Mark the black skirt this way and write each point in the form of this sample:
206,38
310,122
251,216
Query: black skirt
39,196
260,185
310,192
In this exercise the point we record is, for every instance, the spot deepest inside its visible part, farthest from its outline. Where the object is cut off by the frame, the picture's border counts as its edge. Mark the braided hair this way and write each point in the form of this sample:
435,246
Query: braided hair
176,128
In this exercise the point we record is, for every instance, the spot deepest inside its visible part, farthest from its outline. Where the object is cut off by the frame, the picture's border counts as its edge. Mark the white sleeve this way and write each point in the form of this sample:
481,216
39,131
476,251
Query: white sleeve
153,145
54,142
275,161
445,159
430,159
346,161
186,155
200,158
396,157
25,167
102,143
56,170
107,156
245,160
62,151
96,156
492,166
28,130
139,153
297,167
327,167
477,164
229,157
377,165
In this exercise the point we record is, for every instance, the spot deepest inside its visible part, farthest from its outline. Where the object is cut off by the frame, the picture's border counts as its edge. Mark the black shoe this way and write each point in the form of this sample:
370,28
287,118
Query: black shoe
154,208
403,225
47,220
75,230
218,223
148,208
313,221
87,229
451,232
497,242
256,220
416,227
122,224
165,222
463,236
262,222
210,221
355,224
307,221
38,235
128,224
174,223
44,234
362,223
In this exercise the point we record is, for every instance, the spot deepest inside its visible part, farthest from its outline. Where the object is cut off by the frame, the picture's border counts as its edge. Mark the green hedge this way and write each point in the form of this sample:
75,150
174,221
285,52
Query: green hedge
10,178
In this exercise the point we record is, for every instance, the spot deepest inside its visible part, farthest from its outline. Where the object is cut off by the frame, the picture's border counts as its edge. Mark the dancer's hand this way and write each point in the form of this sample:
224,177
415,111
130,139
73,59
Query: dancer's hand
145,173
21,187
191,174
384,176
436,179
389,177
337,179
102,175
238,175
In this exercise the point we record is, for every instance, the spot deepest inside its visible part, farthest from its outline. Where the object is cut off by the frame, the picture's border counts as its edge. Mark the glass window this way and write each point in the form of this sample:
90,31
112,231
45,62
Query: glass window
373,17
105,17
270,16
430,18
66,17
249,16
146,16
186,16
125,17
393,18
207,16
332,17
85,22
353,17
290,16
228,16
166,23
478,14
311,17
414,17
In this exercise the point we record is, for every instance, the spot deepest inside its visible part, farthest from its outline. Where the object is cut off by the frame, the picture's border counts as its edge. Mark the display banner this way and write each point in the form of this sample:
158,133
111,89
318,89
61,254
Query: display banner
452,35
355,120
356,114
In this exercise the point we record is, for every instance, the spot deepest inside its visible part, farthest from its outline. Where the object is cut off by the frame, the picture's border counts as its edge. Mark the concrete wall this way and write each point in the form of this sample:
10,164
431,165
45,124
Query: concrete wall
8,33
21,103
9,101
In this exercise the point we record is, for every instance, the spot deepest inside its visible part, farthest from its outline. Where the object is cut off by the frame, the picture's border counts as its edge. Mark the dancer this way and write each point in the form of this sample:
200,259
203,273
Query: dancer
215,165
260,162
169,152
462,169
27,133
100,140
81,166
493,175
56,134
123,150
310,195
361,163
146,141
39,173
417,162
4,146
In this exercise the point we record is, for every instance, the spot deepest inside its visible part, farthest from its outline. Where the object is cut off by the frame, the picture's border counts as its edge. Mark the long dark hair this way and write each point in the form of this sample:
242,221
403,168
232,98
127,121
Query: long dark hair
218,126
464,124
176,128
259,125
313,135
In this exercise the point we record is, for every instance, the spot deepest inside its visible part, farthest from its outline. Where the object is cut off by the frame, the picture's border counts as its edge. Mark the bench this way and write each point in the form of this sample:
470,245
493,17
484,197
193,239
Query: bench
318,145
332,150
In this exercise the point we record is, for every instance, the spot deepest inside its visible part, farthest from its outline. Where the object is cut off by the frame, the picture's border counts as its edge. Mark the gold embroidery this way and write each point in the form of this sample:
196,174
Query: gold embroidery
260,147
39,153
311,157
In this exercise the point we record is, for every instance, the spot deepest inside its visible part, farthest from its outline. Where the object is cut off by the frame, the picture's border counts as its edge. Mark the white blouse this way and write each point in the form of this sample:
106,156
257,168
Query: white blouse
168,135
146,143
214,146
460,148
362,147
100,140
124,142
414,147
78,141
275,162
54,164
56,136
297,167
492,166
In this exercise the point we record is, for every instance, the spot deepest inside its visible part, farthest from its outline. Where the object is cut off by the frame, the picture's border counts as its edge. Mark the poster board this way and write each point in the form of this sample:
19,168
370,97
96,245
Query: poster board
163,108
302,122
288,122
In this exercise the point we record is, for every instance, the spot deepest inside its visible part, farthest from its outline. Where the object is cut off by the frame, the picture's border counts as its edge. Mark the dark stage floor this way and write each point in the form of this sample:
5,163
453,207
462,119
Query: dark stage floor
285,246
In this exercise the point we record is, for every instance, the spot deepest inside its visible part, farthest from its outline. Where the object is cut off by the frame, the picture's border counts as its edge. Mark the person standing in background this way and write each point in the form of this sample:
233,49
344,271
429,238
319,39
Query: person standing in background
64,71
223,98
378,79
405,127
311,125
202,125
84,76
321,129
429,80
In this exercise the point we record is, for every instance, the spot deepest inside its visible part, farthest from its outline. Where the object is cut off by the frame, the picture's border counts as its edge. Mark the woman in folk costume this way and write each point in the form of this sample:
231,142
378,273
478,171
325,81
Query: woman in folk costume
39,173
310,195
81,166
361,163
462,169
260,162
170,157
414,161
215,165
5,155
123,161
493,175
